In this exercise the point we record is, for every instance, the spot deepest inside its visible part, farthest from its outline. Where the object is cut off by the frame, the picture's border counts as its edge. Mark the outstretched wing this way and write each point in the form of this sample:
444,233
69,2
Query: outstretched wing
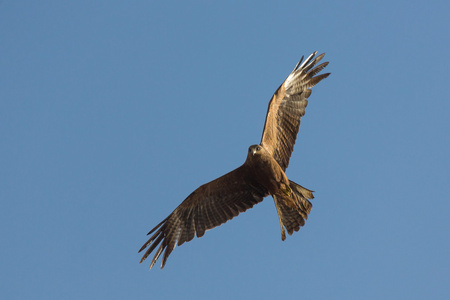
211,205
287,106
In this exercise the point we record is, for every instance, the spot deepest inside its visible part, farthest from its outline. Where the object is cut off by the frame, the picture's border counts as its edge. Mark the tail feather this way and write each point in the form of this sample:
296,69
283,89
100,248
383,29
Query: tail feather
293,218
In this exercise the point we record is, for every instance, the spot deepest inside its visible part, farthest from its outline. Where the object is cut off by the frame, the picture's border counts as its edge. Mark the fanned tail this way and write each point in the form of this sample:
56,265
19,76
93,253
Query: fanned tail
293,218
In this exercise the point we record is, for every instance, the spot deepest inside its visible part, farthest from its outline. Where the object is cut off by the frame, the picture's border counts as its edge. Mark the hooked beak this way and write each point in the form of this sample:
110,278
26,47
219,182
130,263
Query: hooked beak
254,151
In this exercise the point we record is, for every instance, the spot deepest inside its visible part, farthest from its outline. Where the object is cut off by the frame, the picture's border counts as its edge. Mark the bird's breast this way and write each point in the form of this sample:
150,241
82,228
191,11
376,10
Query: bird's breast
269,174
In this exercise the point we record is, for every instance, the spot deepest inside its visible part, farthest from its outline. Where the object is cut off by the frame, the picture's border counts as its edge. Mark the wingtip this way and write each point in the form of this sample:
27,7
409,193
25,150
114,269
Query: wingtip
142,248
302,63
299,62
152,264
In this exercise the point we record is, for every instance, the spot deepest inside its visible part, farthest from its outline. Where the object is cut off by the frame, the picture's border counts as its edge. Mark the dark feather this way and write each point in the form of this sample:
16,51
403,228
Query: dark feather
209,206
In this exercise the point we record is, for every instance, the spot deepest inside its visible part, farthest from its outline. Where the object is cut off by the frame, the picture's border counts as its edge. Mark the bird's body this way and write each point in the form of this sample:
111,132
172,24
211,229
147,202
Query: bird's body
267,171
261,175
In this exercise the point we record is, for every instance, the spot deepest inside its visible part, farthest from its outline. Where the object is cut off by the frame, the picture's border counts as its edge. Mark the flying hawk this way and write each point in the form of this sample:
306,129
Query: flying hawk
261,175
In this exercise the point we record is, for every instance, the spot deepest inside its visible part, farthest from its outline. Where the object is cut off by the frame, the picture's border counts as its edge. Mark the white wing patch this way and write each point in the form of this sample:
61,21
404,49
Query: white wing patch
297,71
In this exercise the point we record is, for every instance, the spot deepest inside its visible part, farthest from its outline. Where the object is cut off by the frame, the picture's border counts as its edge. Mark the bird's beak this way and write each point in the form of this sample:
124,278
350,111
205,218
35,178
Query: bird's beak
253,151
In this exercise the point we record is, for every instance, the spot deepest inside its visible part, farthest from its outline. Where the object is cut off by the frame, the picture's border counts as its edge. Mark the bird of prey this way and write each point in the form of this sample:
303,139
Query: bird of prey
261,175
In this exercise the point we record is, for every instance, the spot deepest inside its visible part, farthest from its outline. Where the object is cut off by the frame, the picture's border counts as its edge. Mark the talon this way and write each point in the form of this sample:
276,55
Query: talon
287,191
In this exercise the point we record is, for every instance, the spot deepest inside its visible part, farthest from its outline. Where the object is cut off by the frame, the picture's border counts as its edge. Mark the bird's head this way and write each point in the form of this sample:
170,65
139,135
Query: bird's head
254,151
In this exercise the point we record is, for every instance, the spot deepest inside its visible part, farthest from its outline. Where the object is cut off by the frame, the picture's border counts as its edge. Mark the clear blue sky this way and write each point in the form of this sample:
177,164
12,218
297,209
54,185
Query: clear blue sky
112,112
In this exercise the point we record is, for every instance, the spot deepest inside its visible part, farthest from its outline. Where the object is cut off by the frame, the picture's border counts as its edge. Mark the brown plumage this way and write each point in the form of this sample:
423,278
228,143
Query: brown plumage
262,174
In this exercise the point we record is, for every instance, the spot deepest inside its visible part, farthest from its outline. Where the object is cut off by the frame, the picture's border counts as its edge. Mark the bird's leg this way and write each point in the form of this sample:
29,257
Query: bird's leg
286,194
286,189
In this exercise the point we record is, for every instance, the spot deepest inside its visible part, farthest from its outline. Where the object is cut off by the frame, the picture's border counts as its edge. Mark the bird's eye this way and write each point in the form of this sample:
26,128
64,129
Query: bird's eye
258,148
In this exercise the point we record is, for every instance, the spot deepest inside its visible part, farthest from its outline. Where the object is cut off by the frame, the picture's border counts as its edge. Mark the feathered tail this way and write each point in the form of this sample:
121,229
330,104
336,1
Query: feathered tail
293,218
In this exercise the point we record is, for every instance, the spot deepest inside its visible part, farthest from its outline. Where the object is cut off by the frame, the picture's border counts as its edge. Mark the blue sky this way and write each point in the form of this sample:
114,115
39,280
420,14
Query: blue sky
112,112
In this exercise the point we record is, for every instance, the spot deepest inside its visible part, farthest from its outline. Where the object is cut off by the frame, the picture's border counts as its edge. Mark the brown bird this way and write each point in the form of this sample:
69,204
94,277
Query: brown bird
261,175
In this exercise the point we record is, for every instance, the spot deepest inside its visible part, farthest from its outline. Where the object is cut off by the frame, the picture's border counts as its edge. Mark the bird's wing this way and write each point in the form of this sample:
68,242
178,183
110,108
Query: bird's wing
287,106
211,205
